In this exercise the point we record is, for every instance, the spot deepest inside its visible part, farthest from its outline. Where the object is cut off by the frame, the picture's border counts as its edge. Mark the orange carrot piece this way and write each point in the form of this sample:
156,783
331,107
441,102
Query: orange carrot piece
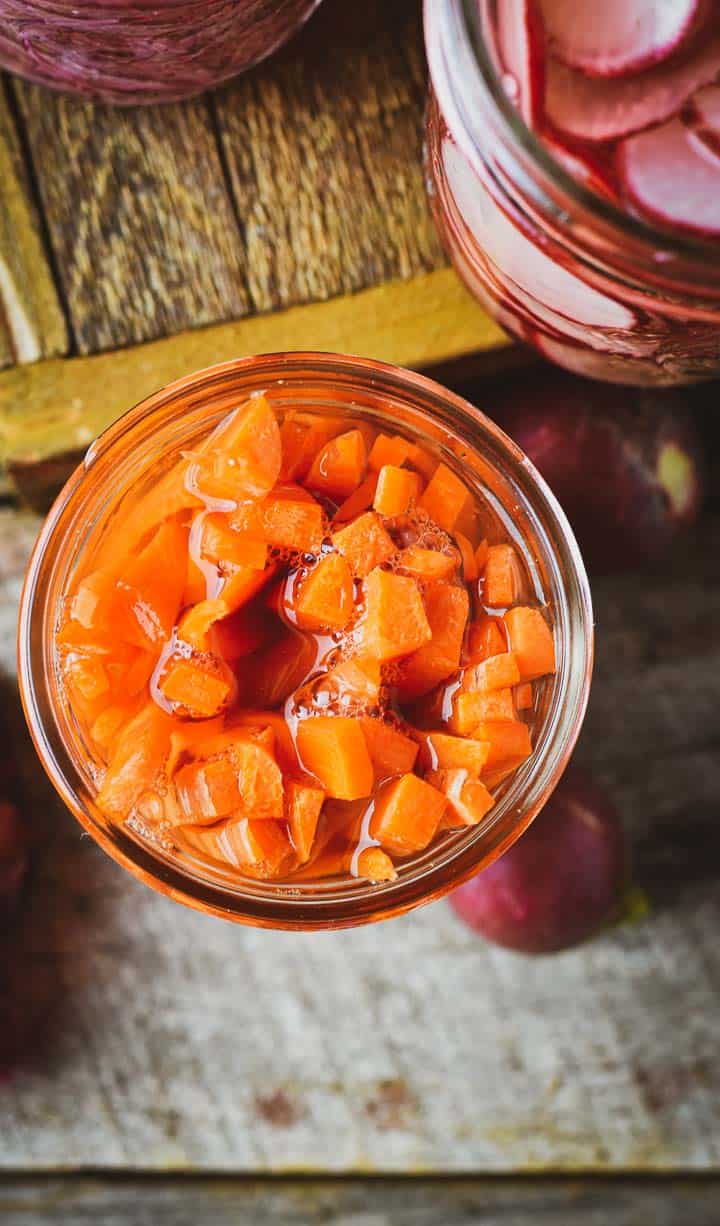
242,457
503,577
456,753
532,642
355,680
397,490
486,637
422,460
108,726
333,748
470,709
468,799
391,752
509,742
259,848
241,633
446,608
427,563
245,583
195,588
339,466
195,624
302,437
243,777
406,815
389,449
523,696
360,500
444,497
220,543
199,687
375,865
138,761
326,597
495,673
280,668
285,751
481,556
470,570
303,805
395,622
290,522
364,543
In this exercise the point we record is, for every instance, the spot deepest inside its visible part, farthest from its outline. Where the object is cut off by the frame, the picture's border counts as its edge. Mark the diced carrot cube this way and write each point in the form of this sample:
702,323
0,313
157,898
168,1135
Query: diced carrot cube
326,597
86,676
339,466
509,742
242,457
427,563
532,642
359,500
470,570
486,637
290,522
395,622
195,624
303,805
364,543
495,673
503,577
245,583
196,585
356,679
333,748
302,436
259,848
456,753
444,497
248,518
244,777
157,577
523,696
220,543
137,762
422,460
470,709
279,669
397,490
389,449
391,752
108,725
406,815
446,608
481,556
468,799
199,687
375,865
284,751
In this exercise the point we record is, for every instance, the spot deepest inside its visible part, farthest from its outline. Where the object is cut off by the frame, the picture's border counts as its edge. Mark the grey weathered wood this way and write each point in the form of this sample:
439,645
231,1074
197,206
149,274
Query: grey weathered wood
358,1202
177,1041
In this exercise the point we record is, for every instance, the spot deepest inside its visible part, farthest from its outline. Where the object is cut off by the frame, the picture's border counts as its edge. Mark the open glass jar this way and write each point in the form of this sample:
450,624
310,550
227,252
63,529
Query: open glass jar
595,288
129,51
135,450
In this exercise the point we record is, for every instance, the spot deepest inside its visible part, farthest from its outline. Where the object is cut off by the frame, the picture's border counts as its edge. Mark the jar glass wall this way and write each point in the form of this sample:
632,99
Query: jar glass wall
167,425
595,289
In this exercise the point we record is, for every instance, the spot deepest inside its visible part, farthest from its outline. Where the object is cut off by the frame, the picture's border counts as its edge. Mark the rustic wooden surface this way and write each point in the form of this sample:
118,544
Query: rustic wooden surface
358,1202
172,1041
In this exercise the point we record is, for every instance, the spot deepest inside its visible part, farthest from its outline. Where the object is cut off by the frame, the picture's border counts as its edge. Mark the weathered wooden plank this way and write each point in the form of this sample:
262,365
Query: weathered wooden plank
32,324
358,1202
324,148
142,226
180,1041
56,407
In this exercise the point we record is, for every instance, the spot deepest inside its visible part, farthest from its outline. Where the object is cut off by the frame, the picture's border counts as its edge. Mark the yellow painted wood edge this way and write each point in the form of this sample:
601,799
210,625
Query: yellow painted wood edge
58,406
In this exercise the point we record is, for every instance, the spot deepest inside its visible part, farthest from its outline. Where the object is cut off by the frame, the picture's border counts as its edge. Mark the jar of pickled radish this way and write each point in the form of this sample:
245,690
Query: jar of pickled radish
305,642
128,51
573,157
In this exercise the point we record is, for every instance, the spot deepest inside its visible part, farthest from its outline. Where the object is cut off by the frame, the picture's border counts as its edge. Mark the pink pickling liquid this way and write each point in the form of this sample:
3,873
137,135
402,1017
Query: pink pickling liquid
625,97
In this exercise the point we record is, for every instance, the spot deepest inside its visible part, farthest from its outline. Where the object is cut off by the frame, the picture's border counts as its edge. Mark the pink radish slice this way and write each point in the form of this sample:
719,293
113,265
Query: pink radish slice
668,176
609,38
594,110
521,47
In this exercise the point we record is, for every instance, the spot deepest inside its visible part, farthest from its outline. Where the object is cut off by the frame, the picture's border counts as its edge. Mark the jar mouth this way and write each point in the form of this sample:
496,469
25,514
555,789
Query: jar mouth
385,391
686,247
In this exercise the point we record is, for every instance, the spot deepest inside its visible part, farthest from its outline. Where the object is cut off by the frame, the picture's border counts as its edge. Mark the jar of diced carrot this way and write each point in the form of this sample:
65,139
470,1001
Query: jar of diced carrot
306,641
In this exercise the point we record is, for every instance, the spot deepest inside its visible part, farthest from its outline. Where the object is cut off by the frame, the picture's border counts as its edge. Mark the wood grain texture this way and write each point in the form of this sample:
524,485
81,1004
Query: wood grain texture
324,149
56,407
358,1202
176,1041
141,223
32,324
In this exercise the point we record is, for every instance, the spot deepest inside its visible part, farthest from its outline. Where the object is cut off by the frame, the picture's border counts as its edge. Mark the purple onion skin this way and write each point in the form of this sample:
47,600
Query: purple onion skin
562,881
624,463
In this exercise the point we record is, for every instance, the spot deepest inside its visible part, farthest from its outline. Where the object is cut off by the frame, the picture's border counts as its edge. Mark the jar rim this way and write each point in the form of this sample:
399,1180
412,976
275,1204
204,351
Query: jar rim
284,905
698,252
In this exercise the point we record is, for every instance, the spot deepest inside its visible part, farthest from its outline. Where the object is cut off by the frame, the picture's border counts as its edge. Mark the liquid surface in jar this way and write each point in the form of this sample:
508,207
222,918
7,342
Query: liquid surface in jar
307,649
625,97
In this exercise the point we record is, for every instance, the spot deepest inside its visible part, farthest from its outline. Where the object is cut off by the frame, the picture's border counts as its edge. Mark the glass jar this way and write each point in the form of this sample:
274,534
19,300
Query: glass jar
128,51
595,289
171,421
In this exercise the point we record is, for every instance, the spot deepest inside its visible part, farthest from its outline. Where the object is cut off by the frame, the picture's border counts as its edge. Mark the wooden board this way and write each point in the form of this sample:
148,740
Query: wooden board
172,1041
357,1202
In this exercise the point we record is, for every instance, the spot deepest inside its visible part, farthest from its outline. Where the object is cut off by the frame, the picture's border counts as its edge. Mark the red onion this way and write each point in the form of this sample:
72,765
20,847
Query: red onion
129,51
